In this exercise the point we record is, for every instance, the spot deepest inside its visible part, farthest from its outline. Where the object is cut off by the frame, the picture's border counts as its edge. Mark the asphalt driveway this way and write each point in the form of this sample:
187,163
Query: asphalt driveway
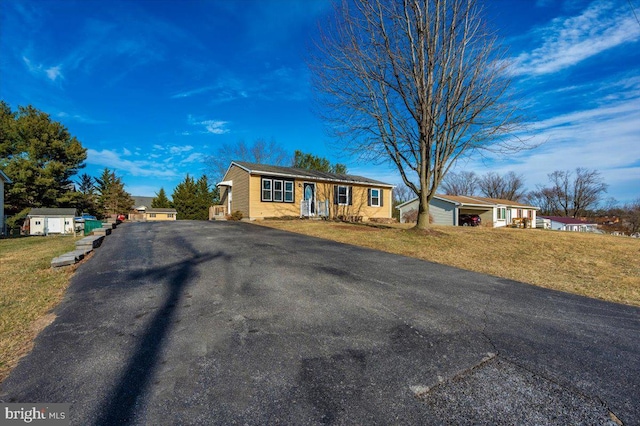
232,323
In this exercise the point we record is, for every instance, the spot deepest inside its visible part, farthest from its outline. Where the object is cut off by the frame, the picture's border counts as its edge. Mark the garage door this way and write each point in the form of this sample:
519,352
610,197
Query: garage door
54,225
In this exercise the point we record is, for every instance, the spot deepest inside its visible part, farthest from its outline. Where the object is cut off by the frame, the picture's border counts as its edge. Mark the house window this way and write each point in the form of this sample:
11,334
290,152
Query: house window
288,191
169,214
277,190
530,214
152,215
38,222
266,190
375,197
502,213
342,195
520,213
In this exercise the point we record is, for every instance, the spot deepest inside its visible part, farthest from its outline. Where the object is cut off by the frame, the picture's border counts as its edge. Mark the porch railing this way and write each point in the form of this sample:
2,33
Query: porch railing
217,212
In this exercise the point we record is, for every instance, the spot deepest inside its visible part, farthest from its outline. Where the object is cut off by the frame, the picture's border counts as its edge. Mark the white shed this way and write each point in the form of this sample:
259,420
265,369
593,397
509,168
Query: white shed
45,221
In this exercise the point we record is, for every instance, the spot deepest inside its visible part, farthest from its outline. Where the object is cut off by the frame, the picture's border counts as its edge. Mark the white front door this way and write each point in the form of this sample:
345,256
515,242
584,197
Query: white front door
54,225
310,196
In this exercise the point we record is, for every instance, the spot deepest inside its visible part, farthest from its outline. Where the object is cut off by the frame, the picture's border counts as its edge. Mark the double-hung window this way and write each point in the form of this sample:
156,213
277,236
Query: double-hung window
502,213
277,190
342,195
375,197
288,191
266,190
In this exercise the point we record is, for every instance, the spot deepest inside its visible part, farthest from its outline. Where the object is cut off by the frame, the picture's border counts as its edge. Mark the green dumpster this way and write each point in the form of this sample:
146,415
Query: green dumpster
90,225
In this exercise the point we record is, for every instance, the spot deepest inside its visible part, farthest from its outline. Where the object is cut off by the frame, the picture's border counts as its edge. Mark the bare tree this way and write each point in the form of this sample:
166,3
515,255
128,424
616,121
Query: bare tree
260,151
542,198
569,193
416,82
631,216
506,187
401,194
463,183
575,193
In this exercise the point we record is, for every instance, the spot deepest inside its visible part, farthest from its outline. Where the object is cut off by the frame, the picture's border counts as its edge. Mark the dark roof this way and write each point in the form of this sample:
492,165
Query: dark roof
306,174
567,220
52,211
142,201
160,210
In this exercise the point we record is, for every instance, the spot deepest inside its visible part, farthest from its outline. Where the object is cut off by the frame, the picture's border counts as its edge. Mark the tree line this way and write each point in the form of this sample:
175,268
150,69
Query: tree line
42,159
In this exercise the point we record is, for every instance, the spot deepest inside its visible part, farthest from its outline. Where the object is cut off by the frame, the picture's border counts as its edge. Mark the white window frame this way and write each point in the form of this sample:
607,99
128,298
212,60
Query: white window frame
502,213
286,191
278,194
265,191
346,195
372,197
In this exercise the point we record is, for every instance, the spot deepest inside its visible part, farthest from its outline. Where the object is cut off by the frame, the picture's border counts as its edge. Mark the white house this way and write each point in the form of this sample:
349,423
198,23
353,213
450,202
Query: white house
560,223
3,179
46,221
446,210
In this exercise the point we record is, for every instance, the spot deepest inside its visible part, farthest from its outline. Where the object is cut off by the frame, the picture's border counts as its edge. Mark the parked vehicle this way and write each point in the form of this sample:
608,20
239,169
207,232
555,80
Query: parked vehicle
469,220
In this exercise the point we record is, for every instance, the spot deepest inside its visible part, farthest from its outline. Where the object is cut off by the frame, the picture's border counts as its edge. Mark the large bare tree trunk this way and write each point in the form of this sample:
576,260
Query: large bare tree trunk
418,83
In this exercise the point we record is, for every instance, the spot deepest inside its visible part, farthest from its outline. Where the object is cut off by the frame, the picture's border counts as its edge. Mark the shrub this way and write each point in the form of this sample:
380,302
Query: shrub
237,215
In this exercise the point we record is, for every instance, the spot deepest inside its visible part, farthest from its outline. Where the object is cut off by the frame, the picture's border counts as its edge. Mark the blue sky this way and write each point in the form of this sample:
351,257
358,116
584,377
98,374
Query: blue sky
152,88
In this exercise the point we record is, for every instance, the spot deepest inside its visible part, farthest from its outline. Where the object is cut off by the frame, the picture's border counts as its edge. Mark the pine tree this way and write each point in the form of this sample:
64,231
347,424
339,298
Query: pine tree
161,201
40,156
87,199
113,199
192,199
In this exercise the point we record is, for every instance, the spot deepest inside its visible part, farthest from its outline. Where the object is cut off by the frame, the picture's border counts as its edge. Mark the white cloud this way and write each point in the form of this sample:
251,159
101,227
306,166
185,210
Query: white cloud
180,149
215,127
54,73
111,159
194,157
566,41
604,138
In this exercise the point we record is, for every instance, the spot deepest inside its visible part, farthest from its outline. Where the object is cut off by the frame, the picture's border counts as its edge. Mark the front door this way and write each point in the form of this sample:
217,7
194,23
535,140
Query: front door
310,197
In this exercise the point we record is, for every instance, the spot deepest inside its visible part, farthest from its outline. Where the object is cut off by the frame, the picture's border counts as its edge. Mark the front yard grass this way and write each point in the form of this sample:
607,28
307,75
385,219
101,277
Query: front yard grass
598,266
29,290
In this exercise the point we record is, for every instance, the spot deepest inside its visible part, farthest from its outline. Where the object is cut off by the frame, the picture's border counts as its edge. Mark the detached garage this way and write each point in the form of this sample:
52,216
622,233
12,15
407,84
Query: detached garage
45,221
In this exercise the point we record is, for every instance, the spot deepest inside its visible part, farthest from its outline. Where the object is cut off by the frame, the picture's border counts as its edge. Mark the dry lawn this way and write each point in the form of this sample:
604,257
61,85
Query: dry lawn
599,266
29,290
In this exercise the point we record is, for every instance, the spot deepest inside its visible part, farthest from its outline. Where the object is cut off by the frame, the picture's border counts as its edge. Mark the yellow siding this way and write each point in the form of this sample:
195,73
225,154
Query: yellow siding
324,191
160,216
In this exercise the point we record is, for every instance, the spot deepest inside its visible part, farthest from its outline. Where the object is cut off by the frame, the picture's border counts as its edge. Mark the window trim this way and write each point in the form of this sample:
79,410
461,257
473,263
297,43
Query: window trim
378,197
345,195
502,213
272,191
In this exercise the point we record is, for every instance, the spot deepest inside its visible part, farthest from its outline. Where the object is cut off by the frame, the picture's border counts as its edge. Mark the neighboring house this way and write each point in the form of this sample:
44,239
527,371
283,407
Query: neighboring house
47,221
152,214
142,203
3,179
260,191
142,211
446,209
561,223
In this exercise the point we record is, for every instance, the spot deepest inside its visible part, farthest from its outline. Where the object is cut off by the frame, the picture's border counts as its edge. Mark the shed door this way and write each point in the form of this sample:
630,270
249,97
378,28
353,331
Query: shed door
54,225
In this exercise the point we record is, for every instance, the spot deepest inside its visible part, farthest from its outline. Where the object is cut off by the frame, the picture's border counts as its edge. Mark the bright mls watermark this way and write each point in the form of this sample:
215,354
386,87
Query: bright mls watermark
34,414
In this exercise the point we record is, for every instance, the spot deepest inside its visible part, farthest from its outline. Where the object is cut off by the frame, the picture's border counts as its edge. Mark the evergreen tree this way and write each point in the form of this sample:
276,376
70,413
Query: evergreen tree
192,199
112,199
40,156
185,199
87,199
307,161
161,201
